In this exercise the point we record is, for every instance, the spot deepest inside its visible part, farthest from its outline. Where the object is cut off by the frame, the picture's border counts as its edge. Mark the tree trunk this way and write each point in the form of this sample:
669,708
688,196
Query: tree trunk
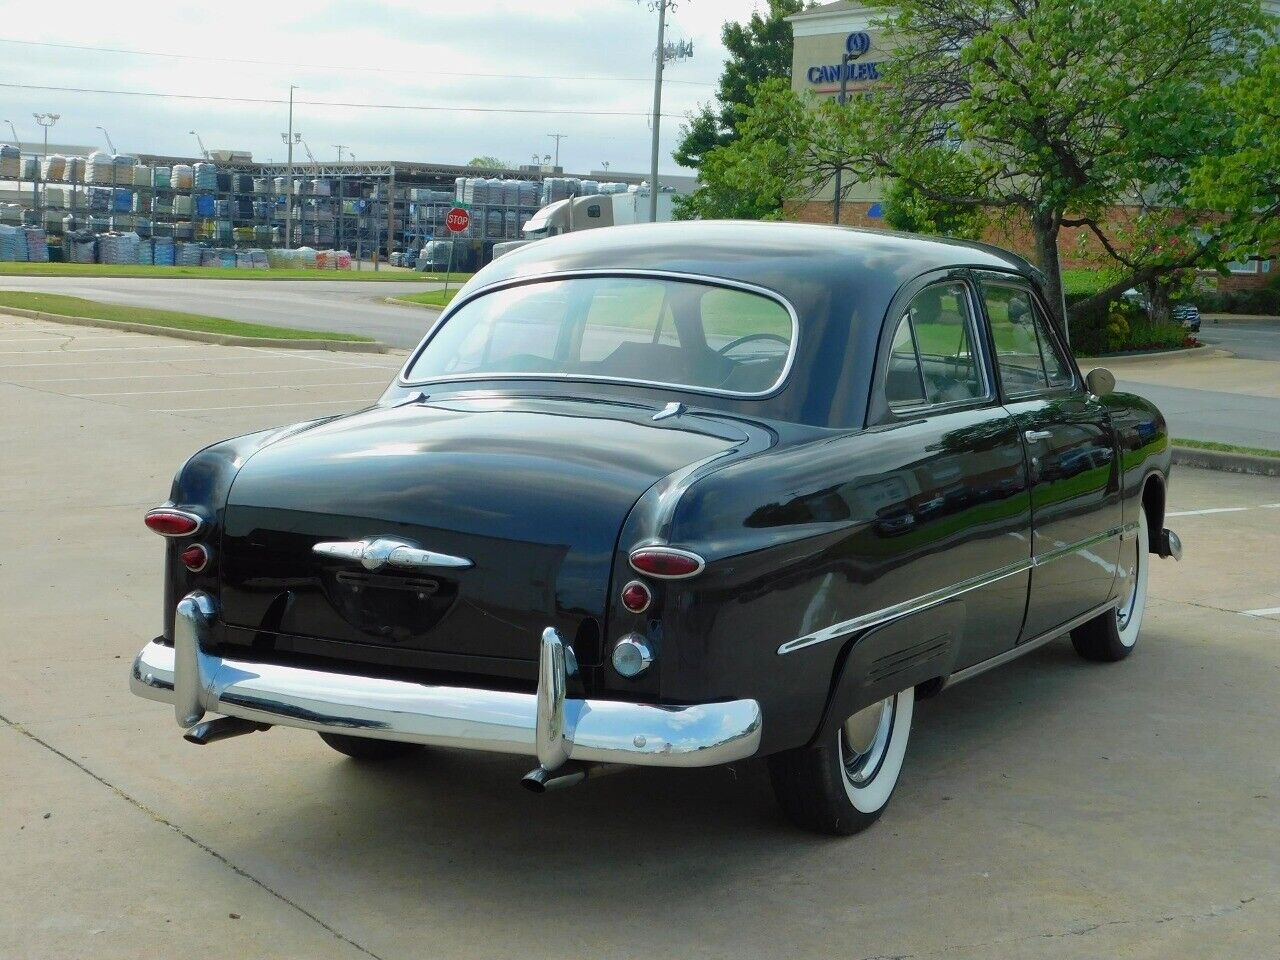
1045,225
1158,302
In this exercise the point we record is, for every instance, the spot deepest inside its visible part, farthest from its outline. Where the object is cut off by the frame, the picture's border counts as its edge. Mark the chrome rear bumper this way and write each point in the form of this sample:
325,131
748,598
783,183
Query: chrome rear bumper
546,725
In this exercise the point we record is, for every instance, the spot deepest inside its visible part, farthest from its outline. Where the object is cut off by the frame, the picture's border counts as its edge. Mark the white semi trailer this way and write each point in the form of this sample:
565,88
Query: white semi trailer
588,213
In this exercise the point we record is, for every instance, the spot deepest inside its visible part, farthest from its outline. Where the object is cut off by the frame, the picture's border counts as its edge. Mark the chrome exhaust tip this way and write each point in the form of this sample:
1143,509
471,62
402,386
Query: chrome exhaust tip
1168,544
568,774
222,728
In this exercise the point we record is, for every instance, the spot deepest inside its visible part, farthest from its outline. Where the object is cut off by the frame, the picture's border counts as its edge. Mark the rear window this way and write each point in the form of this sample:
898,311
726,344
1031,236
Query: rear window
648,330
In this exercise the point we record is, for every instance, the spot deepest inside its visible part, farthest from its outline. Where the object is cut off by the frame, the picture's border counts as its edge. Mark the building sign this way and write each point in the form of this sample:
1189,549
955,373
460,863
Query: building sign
856,73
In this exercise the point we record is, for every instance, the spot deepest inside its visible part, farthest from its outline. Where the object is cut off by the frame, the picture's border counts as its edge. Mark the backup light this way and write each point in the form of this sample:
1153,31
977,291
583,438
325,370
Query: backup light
666,563
632,655
169,522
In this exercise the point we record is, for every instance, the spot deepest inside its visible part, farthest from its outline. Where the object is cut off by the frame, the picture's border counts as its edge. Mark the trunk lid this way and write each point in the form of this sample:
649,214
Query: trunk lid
533,492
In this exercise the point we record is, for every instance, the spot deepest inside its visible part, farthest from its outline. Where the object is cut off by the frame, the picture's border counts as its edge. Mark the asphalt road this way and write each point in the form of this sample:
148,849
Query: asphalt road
1249,341
342,306
1214,415
1049,810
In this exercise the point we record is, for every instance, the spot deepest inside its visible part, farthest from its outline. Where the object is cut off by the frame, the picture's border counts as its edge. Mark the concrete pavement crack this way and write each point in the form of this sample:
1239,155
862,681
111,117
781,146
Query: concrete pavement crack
160,819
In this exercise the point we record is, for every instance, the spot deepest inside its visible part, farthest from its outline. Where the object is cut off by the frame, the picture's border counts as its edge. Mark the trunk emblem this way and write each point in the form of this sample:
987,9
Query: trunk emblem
382,551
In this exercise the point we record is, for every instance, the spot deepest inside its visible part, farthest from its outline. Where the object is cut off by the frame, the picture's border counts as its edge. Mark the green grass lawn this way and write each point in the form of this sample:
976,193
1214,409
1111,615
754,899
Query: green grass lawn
76,307
213,273
1085,280
432,298
1225,447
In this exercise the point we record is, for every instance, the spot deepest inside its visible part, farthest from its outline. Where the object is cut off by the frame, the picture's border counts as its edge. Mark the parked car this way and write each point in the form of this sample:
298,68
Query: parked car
1184,314
673,495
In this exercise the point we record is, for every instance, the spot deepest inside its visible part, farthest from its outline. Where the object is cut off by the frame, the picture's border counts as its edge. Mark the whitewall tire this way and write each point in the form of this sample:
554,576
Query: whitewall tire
1112,635
844,783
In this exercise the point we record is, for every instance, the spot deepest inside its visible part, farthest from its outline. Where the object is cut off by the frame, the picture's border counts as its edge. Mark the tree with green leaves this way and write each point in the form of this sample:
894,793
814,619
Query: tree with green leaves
759,49
493,163
1055,112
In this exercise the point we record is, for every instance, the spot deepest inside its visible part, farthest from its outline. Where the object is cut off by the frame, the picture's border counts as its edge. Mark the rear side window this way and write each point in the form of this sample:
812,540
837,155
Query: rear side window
931,358
1026,354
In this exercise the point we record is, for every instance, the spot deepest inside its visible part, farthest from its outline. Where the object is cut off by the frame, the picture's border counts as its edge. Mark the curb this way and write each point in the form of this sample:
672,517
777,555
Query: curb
201,336
397,302
1227,462
1130,359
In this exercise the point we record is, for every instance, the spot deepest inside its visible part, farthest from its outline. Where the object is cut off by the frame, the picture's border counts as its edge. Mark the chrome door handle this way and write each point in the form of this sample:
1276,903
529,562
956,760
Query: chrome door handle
372,554
1035,436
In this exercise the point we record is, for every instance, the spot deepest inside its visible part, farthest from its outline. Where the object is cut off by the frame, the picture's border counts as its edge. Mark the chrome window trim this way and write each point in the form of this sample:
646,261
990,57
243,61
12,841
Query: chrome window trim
402,378
977,346
942,595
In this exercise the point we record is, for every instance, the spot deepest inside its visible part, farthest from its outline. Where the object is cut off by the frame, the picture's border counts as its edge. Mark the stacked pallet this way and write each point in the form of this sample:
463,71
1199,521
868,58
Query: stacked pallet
13,244
204,176
162,252
10,162
53,167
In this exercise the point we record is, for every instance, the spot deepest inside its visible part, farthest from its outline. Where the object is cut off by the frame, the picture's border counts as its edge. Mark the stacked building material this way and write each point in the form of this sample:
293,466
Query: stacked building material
10,162
142,226
160,178
118,248
142,175
98,199
80,245
146,252
183,230
99,169
180,176
186,254
209,257
31,168
223,181
53,167
204,177
74,171
37,244
122,200
205,205
13,244
163,252
182,205
258,259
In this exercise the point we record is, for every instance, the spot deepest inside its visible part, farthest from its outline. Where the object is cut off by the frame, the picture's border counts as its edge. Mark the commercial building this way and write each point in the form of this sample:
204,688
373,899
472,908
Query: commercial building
823,35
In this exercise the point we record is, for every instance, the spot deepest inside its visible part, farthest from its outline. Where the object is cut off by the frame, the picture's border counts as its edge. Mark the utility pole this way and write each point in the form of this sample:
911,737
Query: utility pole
662,53
558,137
339,147
845,60
17,143
14,131
46,120
605,164
106,136
289,139
203,152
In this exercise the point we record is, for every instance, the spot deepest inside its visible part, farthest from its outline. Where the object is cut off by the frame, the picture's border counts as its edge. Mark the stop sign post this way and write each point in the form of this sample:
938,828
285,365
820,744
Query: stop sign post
456,220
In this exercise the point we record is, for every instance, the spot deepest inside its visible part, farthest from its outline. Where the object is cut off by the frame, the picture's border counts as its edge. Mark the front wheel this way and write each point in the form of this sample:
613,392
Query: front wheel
1112,635
842,785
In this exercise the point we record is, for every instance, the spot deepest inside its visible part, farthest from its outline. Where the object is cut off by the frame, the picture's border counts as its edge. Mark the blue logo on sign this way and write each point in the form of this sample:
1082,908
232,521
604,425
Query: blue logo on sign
857,43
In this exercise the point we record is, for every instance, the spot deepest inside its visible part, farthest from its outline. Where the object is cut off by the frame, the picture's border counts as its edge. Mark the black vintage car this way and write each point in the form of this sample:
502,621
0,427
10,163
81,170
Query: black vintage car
673,495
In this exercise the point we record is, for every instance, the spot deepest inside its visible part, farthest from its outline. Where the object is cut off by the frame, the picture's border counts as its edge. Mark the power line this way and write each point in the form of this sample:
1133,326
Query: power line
330,68
334,103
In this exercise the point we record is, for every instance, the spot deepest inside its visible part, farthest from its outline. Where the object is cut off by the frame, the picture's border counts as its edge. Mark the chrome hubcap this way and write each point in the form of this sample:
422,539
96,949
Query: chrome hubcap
864,739
1124,612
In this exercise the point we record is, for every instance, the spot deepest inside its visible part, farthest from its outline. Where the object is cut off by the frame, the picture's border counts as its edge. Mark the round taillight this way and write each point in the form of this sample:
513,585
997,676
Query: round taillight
636,597
195,557
666,563
172,523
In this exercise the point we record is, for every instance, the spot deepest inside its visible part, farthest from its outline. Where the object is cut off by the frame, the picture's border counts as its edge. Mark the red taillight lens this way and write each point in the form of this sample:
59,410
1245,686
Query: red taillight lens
667,562
195,558
636,597
172,523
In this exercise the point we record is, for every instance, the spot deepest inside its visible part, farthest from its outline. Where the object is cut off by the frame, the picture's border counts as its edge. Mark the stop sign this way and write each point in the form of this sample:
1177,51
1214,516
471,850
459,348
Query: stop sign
457,220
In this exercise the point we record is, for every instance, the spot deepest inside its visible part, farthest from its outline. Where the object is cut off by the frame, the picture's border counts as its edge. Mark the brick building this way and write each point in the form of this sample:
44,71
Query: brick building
822,35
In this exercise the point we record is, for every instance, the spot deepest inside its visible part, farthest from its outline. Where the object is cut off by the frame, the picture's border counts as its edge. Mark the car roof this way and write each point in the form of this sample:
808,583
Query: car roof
786,257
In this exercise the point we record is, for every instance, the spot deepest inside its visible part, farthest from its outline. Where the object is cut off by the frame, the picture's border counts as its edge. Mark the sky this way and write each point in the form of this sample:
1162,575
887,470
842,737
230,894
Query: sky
462,53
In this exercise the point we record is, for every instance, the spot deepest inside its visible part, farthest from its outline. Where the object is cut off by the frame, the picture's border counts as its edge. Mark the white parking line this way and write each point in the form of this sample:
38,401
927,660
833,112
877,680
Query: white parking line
1262,612
171,376
1200,513
106,349
207,359
228,388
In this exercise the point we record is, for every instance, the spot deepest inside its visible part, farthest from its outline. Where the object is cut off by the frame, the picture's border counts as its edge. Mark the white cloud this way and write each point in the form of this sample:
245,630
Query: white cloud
460,53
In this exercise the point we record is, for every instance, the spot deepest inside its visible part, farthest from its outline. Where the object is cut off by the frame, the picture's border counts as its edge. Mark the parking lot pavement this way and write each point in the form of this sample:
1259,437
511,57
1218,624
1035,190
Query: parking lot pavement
1052,808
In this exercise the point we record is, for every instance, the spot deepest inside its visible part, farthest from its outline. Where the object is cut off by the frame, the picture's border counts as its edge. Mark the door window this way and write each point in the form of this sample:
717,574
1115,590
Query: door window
931,358
1026,354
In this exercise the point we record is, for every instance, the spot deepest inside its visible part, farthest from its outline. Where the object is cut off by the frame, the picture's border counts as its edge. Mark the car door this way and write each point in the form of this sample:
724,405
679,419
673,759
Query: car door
952,508
1071,458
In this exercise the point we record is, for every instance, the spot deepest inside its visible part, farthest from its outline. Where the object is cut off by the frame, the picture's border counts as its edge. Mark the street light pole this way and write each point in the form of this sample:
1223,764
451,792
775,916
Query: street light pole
845,60
660,56
14,131
288,186
558,137
110,146
203,152
46,120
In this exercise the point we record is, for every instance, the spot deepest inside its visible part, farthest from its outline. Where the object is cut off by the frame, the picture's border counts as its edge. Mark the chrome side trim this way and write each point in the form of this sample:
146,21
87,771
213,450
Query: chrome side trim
914,605
942,595
402,379
381,551
1028,645
590,731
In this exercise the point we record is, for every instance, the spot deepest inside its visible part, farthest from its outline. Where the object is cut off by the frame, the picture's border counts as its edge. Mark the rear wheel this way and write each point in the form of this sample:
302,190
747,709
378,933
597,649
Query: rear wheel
842,785
1112,635
368,749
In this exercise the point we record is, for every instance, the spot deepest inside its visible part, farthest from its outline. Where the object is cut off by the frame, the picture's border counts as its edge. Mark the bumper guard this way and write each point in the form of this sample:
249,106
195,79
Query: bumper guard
546,725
